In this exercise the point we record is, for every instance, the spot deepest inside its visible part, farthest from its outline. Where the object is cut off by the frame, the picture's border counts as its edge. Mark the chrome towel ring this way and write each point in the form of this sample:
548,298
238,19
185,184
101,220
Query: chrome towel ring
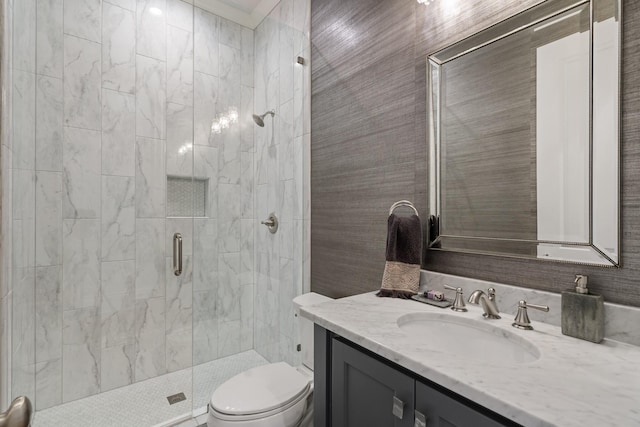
401,203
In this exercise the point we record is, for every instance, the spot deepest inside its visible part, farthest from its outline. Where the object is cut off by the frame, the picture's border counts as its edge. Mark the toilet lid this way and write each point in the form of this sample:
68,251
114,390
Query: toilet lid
260,390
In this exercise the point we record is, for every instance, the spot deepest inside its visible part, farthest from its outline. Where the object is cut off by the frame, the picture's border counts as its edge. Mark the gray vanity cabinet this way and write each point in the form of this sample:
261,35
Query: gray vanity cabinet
441,410
367,392
355,388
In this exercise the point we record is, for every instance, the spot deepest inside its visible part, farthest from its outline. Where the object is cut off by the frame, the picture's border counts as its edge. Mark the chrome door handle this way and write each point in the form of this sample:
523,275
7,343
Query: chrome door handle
177,254
420,420
398,408
18,414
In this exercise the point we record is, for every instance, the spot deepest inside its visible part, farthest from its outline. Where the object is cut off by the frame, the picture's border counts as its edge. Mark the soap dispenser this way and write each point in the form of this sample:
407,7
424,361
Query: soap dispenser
582,312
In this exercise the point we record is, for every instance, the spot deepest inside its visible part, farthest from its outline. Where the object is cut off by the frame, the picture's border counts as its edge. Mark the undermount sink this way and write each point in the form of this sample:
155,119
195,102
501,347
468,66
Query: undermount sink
462,337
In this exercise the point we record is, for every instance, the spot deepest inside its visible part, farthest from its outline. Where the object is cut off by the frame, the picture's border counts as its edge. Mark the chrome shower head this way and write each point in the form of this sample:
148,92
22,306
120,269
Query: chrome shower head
260,119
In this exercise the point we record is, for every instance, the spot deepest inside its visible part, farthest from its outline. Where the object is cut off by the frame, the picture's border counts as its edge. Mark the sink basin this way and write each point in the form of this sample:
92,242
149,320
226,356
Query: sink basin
462,337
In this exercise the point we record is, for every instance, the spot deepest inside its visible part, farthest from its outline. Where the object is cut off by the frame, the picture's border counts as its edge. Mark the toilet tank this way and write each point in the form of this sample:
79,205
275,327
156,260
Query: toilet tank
305,326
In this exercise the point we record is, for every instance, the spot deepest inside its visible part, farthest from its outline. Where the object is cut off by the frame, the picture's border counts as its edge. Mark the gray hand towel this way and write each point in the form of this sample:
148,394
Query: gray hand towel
401,278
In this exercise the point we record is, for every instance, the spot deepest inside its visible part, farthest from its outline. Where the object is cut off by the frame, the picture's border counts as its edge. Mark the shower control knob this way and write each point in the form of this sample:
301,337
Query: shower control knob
271,223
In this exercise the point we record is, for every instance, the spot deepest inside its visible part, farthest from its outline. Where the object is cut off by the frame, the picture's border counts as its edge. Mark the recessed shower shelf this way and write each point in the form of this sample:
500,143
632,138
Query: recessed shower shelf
186,196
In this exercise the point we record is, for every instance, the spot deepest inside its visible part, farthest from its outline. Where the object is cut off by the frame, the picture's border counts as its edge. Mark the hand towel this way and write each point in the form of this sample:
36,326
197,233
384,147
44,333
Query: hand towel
401,277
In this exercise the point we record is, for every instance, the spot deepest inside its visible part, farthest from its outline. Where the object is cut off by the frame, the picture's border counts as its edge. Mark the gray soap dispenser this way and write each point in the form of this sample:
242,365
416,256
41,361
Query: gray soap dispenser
582,312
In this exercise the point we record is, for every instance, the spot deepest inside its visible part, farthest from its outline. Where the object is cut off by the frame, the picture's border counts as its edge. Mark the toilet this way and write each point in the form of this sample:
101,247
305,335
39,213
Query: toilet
273,395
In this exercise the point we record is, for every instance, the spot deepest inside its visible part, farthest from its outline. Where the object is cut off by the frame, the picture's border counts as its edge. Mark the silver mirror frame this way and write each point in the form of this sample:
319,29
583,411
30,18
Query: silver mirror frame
479,245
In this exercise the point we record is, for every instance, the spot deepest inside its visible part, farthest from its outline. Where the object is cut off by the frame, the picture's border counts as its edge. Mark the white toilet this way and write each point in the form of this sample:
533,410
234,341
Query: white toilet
273,395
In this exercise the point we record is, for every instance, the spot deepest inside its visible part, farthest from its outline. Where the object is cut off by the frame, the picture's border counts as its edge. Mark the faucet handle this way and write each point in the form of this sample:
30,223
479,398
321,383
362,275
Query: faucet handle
522,318
458,303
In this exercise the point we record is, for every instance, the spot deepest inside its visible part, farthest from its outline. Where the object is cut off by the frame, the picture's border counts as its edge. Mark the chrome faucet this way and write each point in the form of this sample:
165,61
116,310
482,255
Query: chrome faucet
488,302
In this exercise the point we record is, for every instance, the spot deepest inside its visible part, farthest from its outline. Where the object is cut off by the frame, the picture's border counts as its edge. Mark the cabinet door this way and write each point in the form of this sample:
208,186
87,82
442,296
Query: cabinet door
368,393
442,410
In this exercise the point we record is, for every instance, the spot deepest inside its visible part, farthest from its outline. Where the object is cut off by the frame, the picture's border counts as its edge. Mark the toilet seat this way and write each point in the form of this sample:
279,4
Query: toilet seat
260,393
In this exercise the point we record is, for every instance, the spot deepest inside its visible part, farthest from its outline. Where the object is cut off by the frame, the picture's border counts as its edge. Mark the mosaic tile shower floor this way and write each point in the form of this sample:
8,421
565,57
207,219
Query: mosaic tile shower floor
145,404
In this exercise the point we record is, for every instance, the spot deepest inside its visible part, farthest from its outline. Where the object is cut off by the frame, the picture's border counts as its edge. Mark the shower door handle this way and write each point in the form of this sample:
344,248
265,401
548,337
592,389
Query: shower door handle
177,254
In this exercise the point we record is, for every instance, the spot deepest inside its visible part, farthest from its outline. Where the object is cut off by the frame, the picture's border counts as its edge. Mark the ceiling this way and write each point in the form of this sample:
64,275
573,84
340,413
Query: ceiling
248,13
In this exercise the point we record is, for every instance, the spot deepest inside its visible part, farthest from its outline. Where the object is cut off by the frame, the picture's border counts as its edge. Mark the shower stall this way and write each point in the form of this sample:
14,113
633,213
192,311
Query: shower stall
136,274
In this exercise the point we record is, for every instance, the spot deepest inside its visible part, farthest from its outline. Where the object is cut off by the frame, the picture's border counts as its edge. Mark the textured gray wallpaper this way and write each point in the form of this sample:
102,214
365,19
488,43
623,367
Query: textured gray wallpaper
368,149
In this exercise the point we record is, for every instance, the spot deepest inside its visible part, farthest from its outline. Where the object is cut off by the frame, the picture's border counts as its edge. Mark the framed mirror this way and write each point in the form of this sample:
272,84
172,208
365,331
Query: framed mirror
524,136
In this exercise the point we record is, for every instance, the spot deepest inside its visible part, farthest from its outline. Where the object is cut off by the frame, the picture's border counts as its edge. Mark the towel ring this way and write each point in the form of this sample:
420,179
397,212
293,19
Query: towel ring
402,203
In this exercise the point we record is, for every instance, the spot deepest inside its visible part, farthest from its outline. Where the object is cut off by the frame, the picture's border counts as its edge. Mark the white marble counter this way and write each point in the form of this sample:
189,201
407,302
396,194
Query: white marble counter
573,383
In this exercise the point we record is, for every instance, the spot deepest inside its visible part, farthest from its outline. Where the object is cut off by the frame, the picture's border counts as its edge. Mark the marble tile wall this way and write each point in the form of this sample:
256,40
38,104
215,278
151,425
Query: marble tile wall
280,178
108,98
6,83
222,277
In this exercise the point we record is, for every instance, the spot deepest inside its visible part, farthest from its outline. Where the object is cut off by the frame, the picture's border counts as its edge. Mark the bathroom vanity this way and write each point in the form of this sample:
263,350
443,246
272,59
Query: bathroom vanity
373,367
365,390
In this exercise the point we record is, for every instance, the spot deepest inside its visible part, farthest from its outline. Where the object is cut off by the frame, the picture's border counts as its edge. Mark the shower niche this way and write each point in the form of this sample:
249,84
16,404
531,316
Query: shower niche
187,196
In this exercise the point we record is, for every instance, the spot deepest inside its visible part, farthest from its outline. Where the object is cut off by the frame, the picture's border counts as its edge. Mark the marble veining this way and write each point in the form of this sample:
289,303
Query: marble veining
150,338
48,383
81,353
81,263
117,367
48,218
205,326
180,14
22,328
229,217
229,288
23,116
118,218
82,18
49,38
49,118
151,28
574,383
126,4
247,249
204,110
48,305
179,66
82,81
247,126
205,254
230,33
206,42
150,178
150,265
118,49
205,165
247,184
118,303
81,163
151,96
247,57
118,324
24,47
118,133
180,150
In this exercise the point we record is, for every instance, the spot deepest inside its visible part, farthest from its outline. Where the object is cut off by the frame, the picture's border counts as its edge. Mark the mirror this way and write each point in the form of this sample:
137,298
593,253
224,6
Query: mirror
524,136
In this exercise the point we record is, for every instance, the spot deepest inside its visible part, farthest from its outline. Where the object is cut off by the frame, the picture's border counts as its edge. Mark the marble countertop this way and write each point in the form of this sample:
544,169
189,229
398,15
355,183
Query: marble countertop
573,383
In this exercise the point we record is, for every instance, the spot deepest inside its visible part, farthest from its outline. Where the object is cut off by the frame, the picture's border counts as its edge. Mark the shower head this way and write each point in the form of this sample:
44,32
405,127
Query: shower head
260,119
